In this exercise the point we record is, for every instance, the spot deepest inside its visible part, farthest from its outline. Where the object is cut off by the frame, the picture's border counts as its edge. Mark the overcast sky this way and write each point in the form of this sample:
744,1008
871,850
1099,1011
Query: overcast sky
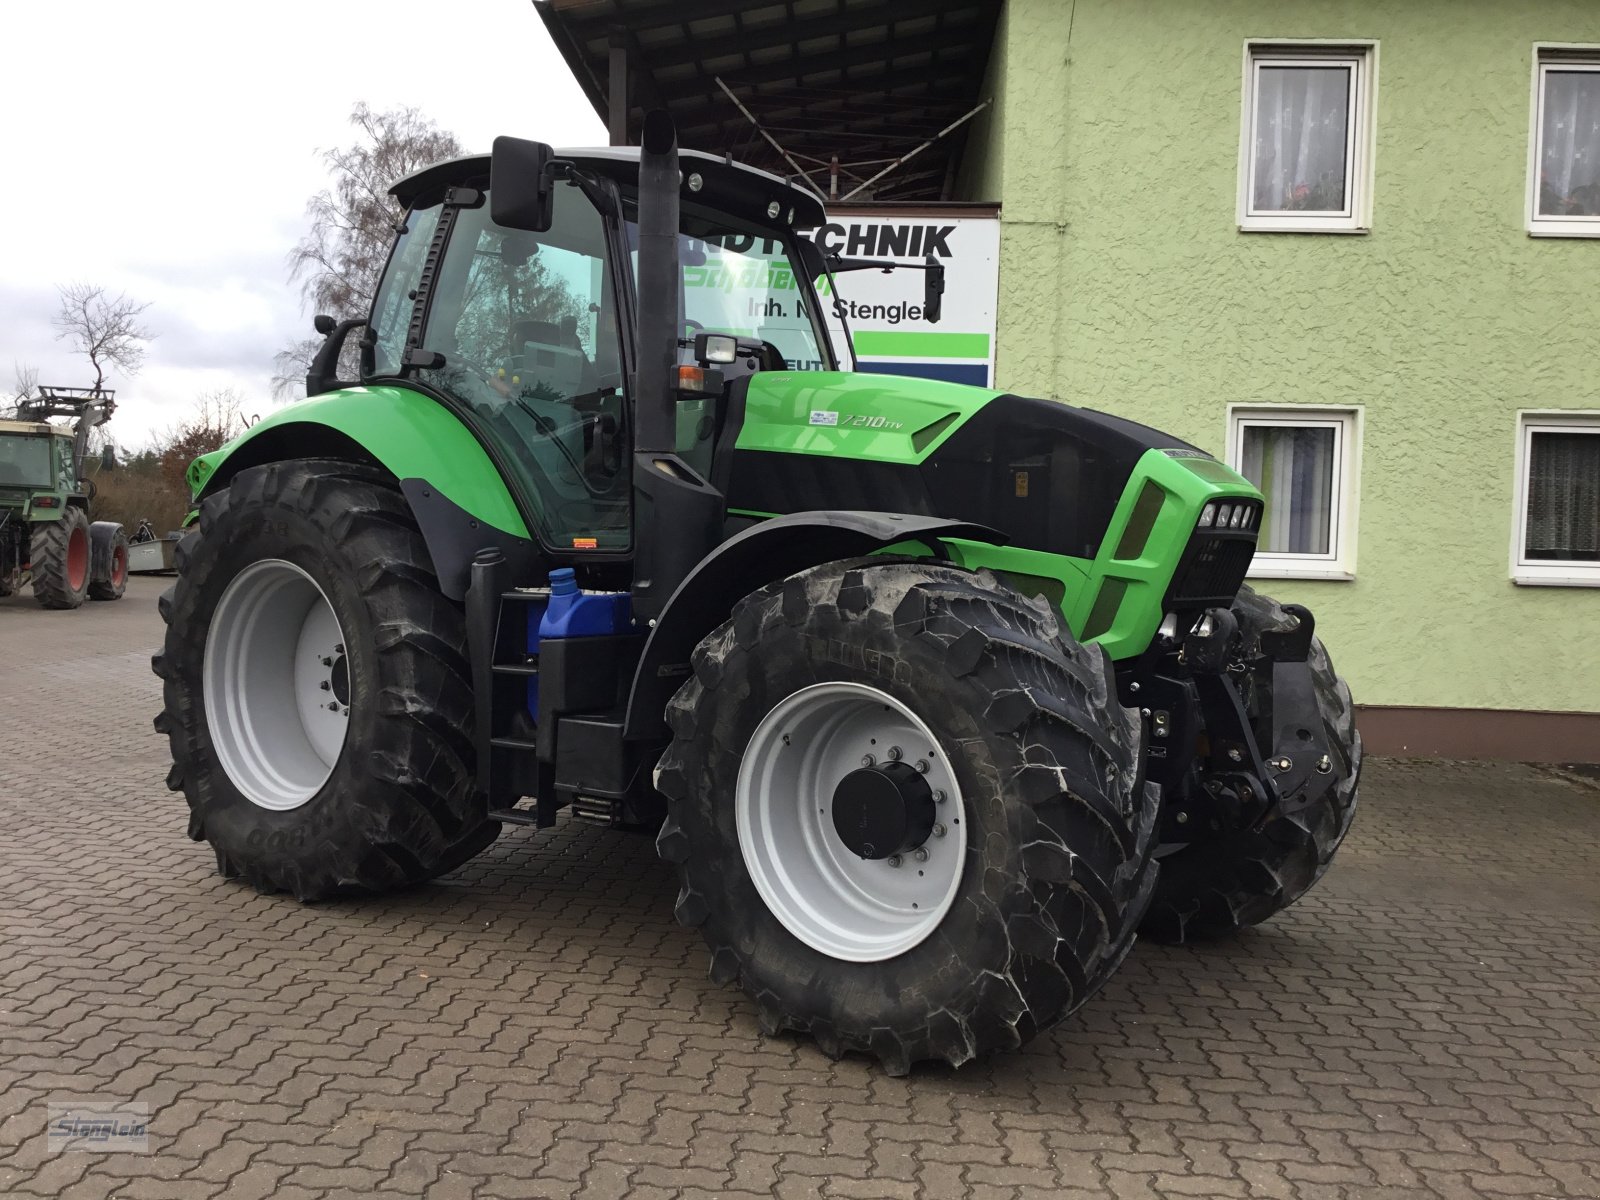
167,148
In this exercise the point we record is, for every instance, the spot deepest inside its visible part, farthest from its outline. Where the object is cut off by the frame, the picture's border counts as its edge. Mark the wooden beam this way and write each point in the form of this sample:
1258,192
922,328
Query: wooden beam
617,100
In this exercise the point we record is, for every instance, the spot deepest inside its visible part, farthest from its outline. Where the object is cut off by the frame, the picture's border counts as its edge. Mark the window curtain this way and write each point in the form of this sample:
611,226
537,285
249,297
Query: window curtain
1294,470
1302,119
1564,497
1569,173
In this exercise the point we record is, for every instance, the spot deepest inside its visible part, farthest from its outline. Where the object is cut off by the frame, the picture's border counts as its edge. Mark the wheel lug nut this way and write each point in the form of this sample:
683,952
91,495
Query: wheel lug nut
326,686
333,706
920,854
938,831
894,860
868,761
922,766
894,754
339,649
938,797
1183,818
327,662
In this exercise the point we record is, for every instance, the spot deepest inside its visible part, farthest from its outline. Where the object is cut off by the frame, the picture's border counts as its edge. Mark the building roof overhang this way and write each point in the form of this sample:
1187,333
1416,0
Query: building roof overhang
860,81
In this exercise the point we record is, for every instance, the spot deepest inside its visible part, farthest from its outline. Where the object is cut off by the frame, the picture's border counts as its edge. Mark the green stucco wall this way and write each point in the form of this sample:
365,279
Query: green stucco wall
982,173
1125,285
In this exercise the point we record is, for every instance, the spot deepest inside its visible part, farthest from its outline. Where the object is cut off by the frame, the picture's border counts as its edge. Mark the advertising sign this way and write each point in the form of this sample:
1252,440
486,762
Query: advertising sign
884,311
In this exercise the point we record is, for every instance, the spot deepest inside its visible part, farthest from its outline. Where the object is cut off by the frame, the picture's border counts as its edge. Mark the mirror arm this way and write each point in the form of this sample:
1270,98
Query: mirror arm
933,269
323,374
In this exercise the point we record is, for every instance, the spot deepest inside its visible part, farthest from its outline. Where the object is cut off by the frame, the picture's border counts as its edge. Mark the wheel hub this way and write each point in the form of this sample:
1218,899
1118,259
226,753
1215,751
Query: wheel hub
339,681
882,811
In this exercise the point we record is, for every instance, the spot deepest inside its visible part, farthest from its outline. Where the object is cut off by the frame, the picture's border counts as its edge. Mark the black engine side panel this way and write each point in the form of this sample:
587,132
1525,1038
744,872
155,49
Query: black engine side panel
1046,474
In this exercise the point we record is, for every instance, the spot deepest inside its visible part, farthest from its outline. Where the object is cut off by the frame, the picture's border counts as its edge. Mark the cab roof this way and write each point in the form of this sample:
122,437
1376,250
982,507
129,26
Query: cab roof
730,187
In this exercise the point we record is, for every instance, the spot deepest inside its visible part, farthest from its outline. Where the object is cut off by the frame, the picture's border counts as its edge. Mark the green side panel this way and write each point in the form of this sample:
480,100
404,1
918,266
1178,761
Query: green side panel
412,436
1135,571
873,418
893,343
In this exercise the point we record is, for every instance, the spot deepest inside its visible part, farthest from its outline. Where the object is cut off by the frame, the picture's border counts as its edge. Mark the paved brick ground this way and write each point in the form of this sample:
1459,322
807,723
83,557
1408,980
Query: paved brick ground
1425,1024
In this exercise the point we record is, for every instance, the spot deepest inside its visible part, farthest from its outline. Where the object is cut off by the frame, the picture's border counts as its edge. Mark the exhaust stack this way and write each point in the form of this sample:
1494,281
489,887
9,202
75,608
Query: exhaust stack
657,319
677,515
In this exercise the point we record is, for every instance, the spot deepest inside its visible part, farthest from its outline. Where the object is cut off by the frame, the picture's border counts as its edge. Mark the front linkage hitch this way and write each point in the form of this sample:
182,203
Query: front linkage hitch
1233,730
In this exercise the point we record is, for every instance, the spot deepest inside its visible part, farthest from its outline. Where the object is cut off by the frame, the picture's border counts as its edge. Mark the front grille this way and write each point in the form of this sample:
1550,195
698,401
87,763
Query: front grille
1213,568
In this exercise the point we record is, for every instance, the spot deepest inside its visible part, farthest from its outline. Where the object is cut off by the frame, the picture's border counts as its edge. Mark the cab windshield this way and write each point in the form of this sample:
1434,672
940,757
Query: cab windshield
742,280
25,460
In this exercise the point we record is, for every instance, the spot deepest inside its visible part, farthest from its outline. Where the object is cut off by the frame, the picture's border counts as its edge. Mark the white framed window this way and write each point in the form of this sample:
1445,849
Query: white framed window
1306,461
1555,538
1306,149
1564,143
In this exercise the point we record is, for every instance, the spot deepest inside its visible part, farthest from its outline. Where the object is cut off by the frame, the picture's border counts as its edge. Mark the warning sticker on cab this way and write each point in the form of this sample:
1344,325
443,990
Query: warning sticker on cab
823,416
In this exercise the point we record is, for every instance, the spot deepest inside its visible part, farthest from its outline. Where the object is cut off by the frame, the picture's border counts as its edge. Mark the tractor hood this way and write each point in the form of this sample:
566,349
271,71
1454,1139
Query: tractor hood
1046,473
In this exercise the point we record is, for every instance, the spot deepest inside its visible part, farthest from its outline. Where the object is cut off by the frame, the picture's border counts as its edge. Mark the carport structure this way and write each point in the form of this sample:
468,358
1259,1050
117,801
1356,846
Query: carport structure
868,95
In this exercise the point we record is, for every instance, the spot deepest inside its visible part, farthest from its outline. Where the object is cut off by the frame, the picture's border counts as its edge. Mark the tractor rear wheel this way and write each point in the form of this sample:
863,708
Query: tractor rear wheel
317,695
108,546
906,811
1211,889
60,560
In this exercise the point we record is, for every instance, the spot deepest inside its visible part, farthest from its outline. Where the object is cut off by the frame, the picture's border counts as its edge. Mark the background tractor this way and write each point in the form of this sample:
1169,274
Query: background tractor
933,695
46,537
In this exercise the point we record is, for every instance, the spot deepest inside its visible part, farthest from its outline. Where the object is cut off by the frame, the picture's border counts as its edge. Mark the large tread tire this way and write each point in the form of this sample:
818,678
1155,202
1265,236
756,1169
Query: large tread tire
60,560
1213,889
108,545
1060,832
400,806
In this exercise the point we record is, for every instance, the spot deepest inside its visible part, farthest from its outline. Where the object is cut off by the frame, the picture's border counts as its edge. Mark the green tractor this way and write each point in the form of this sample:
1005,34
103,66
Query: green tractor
46,537
933,695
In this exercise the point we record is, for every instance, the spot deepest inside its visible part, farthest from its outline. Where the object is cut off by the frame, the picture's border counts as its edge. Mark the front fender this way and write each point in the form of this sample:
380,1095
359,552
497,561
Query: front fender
408,434
456,493
763,554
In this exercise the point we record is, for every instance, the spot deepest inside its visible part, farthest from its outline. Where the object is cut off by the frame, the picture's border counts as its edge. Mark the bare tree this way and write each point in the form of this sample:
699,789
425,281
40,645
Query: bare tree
353,223
217,417
24,381
104,328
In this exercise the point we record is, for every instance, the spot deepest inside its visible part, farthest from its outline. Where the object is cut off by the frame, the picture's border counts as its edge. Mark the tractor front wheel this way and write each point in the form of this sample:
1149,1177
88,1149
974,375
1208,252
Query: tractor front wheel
316,687
60,560
906,811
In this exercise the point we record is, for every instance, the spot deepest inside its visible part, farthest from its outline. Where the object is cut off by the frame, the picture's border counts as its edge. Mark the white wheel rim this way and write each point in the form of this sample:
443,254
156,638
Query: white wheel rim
848,907
276,685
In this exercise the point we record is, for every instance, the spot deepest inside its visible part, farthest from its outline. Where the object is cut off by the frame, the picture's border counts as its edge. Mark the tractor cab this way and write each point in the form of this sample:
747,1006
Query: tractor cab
530,335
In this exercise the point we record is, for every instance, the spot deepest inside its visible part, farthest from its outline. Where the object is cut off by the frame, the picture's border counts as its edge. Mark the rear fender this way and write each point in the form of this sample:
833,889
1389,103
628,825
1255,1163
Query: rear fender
461,503
763,554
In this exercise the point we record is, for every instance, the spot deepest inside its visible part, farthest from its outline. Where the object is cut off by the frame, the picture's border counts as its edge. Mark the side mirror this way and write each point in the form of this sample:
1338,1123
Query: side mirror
520,194
323,374
323,324
933,291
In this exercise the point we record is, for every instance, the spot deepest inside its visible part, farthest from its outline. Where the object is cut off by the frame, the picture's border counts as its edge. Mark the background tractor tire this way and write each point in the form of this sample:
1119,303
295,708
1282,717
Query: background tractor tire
1054,867
398,803
108,556
1212,889
61,559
